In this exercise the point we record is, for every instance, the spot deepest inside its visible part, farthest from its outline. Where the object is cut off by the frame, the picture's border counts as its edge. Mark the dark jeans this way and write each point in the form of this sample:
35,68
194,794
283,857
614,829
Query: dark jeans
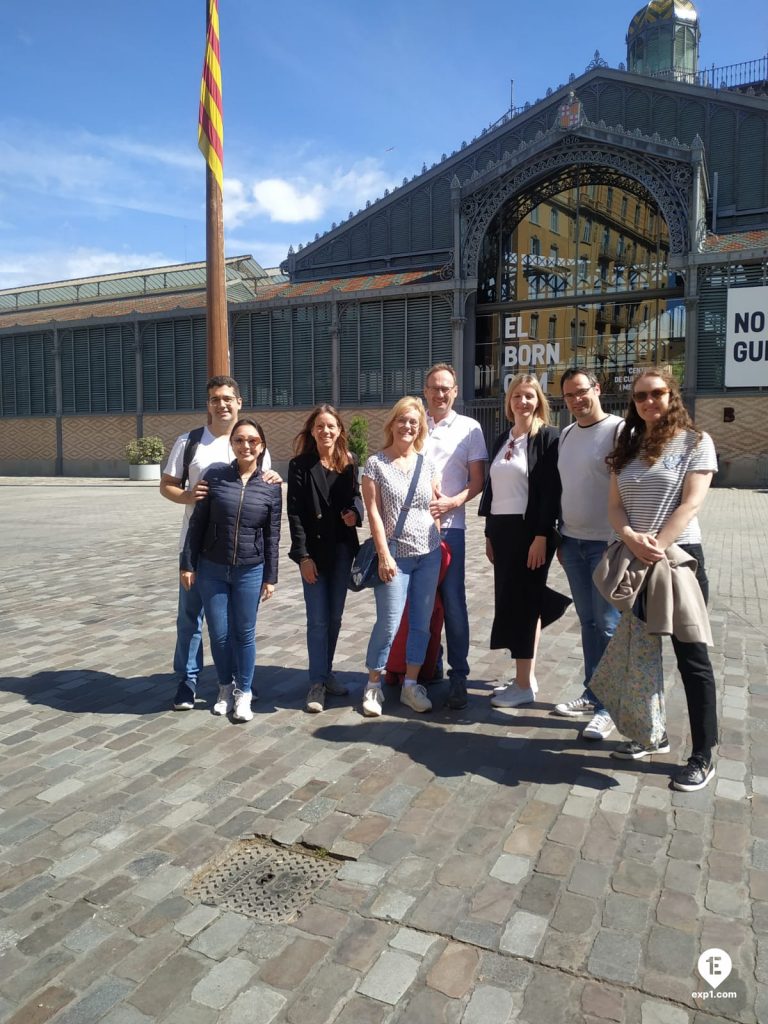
698,678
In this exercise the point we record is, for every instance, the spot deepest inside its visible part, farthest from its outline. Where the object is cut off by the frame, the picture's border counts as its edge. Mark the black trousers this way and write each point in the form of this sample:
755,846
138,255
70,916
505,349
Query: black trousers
698,678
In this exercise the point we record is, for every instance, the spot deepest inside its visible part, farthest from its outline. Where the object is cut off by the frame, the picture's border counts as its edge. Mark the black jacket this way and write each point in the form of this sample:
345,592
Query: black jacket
314,513
543,507
235,524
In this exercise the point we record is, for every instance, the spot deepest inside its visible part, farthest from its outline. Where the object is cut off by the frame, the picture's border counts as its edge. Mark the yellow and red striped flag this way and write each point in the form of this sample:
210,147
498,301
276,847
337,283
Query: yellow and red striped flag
210,125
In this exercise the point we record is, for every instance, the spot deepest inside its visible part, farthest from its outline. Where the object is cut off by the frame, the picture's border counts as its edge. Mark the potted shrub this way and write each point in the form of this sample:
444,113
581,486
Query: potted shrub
357,436
144,456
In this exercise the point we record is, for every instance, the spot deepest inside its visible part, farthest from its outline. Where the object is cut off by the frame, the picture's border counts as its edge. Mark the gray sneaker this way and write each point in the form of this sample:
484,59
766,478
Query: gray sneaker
334,687
415,697
316,699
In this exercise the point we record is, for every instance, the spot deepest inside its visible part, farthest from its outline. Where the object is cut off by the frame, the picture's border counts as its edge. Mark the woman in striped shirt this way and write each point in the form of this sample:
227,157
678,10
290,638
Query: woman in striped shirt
661,469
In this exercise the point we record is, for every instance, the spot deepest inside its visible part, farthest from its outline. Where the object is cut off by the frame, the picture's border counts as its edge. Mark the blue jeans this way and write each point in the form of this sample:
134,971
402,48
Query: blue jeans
324,602
188,656
598,618
415,582
454,598
231,597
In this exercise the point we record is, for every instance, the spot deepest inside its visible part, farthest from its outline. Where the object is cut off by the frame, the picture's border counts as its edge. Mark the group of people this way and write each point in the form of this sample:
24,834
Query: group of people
548,493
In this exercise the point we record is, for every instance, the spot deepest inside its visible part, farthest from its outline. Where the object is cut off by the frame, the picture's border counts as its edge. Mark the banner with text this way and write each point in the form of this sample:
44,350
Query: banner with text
746,338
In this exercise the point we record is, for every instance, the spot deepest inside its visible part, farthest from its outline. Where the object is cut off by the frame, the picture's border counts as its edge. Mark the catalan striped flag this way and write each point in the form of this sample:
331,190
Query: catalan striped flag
210,126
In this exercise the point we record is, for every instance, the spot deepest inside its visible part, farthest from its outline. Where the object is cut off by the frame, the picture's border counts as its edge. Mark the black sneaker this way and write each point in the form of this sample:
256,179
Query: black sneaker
184,699
695,775
631,751
457,693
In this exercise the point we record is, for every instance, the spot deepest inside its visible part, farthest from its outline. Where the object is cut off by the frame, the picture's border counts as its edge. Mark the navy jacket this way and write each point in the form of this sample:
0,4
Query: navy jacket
543,508
314,515
235,524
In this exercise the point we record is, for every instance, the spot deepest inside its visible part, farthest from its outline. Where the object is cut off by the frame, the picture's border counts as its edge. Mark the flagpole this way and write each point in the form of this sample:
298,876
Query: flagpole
211,142
215,275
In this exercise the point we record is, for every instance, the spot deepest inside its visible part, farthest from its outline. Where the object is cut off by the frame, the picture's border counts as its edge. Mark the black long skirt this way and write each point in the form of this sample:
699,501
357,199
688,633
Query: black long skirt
522,596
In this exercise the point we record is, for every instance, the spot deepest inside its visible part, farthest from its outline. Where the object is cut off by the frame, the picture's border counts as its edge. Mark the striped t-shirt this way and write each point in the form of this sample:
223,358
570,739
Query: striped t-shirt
650,494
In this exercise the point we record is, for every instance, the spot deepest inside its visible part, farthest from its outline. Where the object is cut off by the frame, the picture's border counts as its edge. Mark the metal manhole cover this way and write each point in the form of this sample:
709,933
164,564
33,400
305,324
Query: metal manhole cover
261,880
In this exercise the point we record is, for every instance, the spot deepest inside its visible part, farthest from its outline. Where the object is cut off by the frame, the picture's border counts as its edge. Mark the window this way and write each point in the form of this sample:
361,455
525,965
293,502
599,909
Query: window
535,245
535,215
554,218
624,208
582,339
606,242
586,235
609,198
637,215
552,328
533,330
554,254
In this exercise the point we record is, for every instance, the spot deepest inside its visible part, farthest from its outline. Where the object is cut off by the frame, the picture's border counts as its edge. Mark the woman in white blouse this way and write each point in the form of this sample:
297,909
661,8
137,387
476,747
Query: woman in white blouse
520,502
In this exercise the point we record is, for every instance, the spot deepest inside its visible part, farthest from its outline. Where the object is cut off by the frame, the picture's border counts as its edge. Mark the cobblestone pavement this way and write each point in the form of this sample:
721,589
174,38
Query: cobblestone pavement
491,866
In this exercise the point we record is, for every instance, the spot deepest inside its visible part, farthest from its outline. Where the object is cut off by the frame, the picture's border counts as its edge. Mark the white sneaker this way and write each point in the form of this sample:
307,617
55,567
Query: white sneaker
415,697
600,727
225,701
512,697
575,708
506,683
373,701
241,712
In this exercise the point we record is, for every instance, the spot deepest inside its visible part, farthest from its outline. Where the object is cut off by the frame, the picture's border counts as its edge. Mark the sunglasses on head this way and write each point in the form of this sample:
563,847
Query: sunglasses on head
655,394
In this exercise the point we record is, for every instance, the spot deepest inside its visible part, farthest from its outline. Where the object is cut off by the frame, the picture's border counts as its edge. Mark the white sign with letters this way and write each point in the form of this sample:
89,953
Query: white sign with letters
523,355
746,338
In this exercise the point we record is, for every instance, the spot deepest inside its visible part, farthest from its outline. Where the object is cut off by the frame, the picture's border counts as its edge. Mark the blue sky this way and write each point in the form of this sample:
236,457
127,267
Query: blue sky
326,104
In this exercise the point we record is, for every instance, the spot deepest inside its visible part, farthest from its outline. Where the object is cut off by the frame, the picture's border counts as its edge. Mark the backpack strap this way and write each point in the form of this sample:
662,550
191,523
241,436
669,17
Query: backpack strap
193,440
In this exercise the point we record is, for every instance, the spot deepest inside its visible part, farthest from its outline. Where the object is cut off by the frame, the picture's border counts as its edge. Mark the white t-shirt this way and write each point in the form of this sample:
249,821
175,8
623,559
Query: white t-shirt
452,444
650,494
585,478
509,478
211,451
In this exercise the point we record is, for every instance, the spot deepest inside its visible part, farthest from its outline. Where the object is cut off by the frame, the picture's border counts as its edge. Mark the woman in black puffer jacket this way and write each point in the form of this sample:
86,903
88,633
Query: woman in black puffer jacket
232,545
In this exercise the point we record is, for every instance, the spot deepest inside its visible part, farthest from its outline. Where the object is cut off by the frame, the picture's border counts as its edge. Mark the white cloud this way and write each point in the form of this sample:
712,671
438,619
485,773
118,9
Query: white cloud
62,265
323,189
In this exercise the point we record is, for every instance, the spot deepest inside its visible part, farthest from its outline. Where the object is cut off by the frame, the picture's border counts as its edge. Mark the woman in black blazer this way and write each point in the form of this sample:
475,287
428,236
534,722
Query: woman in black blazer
324,511
521,502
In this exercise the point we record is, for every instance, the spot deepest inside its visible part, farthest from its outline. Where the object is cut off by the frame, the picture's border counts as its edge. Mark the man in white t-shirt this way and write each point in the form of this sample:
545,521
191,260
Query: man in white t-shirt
211,449
457,447
586,531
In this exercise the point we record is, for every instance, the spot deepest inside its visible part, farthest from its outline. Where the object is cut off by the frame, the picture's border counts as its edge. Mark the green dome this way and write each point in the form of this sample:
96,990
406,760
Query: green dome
656,11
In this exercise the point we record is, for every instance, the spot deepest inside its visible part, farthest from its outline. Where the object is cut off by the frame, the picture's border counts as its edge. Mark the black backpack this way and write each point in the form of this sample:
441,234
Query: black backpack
193,440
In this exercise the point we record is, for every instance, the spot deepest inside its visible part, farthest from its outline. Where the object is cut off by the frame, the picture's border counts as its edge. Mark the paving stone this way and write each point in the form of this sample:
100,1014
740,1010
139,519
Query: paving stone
677,910
489,1004
223,982
511,868
615,956
683,877
390,977
602,1002
320,1000
197,919
574,914
359,1010
540,894
127,1014
549,997
41,1007
653,1012
525,840
392,905
412,941
294,964
635,879
684,846
412,874
438,910
588,879
671,951
555,859
259,1005
221,936
454,971
625,913
523,934
726,899
96,1003
361,943
151,952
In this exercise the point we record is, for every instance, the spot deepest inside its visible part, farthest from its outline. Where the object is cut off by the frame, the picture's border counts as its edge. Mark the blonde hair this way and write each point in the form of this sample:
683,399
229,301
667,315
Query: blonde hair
541,417
407,402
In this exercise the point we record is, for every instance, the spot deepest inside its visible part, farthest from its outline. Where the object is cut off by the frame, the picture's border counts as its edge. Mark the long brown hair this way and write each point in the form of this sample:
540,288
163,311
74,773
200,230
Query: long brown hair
635,440
541,418
304,443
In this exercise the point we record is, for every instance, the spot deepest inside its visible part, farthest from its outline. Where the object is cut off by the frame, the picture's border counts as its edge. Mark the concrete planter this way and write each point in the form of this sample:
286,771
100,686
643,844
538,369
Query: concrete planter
151,472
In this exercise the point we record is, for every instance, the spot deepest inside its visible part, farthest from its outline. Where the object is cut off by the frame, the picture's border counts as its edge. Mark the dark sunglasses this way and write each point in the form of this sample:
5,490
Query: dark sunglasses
655,394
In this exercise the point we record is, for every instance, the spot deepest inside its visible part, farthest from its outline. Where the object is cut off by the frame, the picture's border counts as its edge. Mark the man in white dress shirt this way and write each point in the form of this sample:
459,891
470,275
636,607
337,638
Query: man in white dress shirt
457,447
